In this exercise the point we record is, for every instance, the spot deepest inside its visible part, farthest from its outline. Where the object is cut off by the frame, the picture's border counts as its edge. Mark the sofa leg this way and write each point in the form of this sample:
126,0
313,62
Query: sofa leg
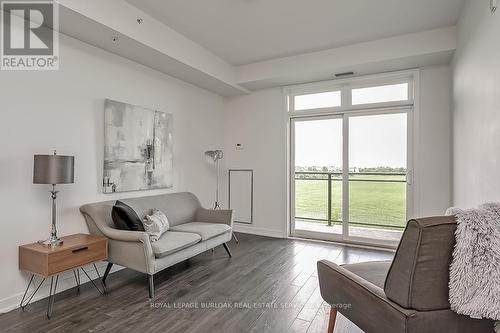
331,322
151,286
106,272
227,249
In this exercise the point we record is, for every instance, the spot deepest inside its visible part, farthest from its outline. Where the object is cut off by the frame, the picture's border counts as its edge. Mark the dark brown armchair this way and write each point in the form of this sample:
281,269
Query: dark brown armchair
409,294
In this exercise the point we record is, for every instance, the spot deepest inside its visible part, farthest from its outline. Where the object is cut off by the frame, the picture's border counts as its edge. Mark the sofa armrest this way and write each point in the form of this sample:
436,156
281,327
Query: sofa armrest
126,248
125,235
223,216
117,234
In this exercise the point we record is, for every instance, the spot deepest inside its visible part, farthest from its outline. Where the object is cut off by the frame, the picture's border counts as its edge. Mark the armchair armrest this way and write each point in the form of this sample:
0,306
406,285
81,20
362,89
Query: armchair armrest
223,216
329,272
362,302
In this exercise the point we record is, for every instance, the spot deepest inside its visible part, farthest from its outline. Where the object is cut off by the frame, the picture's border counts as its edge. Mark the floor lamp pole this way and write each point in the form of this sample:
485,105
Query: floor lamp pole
217,206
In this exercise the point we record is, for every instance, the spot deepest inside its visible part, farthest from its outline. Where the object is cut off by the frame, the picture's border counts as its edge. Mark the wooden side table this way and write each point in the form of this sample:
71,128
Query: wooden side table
49,262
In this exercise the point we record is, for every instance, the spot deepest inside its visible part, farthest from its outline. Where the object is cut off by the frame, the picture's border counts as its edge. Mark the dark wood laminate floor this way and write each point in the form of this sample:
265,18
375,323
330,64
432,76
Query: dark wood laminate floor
208,293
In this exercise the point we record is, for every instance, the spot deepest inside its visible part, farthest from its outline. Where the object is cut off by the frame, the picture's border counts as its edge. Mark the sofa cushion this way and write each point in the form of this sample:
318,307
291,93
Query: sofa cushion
172,241
125,218
373,271
204,229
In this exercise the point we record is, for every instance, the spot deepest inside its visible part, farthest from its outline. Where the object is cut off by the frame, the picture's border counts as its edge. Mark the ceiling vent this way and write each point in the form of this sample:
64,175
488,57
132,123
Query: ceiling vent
344,74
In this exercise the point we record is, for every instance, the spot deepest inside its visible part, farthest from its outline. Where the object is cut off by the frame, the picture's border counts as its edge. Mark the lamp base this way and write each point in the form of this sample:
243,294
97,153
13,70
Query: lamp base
53,242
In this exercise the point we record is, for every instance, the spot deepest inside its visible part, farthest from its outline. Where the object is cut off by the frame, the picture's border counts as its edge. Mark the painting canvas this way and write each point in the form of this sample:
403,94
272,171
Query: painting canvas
137,148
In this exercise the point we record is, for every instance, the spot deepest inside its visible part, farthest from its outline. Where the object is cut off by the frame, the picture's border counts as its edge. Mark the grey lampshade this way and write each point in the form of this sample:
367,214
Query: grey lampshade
53,169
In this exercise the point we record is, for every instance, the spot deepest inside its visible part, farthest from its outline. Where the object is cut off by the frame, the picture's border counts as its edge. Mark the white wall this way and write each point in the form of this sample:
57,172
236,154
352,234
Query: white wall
64,110
476,98
433,148
258,122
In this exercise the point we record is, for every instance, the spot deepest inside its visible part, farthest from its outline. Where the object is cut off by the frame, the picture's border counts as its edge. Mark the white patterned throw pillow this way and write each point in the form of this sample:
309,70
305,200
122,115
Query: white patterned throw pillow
155,224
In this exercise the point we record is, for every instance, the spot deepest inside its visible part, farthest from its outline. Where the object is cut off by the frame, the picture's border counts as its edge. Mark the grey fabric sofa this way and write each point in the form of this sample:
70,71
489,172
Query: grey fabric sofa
409,294
193,230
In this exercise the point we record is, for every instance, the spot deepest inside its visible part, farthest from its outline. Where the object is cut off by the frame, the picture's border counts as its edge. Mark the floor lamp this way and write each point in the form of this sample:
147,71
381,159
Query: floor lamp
215,156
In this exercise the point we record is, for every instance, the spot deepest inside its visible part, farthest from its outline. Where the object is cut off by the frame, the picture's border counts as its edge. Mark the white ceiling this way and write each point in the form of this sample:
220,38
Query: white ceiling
246,31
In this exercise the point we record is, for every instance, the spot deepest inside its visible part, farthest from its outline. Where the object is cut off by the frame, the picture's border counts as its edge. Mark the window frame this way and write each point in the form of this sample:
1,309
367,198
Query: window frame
346,86
412,77
382,84
320,92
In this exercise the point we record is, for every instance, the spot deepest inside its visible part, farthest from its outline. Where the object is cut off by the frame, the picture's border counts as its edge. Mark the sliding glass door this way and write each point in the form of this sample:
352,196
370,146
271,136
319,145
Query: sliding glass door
377,191
318,174
351,157
349,176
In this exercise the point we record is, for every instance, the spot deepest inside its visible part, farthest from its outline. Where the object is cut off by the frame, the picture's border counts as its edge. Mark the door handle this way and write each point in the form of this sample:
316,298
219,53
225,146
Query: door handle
409,178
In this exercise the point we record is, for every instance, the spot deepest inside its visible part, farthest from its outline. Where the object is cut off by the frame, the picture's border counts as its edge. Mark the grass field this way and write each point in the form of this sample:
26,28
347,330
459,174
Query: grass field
369,201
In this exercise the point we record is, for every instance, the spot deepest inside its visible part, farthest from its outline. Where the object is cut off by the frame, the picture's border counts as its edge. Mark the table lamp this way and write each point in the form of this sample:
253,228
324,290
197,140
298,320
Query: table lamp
53,169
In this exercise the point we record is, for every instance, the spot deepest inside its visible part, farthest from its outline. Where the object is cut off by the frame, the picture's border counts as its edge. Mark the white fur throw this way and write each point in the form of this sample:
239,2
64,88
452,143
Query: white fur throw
475,268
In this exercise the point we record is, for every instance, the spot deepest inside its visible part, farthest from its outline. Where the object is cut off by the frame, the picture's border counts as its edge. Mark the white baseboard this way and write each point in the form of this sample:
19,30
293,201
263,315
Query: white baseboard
66,281
249,229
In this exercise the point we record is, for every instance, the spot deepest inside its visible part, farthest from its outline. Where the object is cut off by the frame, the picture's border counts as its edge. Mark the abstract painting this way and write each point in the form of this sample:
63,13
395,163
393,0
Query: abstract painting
137,148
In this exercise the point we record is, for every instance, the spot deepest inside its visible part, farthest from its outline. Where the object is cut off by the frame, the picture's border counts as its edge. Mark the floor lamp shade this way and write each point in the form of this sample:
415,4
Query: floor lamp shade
53,169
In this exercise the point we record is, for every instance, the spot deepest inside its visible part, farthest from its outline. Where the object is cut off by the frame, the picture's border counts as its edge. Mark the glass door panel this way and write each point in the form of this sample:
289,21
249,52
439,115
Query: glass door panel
349,177
318,174
377,176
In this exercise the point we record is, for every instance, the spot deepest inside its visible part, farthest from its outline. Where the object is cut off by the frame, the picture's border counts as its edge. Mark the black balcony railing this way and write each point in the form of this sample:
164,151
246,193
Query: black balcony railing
331,177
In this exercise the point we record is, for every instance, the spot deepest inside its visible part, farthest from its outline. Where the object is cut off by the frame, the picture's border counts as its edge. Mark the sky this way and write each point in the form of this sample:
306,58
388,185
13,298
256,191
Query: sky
376,140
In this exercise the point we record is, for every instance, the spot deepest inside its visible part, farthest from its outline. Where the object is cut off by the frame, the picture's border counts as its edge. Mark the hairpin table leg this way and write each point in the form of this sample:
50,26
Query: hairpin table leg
52,295
26,291
24,305
77,279
95,285
102,281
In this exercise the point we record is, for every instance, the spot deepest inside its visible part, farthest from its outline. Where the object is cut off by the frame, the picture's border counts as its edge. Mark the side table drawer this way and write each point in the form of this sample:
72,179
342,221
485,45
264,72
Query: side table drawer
68,259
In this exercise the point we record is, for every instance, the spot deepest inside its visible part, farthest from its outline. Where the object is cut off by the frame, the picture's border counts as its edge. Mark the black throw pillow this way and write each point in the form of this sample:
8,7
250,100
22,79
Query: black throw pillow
125,218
